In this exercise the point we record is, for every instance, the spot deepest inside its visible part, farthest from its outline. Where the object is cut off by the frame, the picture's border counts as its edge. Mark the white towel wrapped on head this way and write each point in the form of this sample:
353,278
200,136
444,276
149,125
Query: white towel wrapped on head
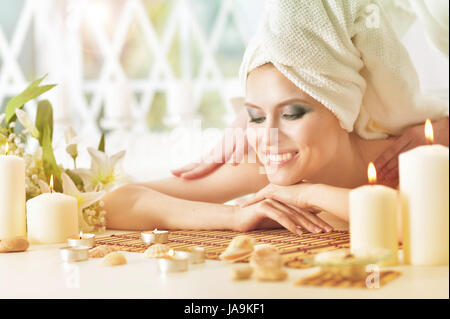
345,55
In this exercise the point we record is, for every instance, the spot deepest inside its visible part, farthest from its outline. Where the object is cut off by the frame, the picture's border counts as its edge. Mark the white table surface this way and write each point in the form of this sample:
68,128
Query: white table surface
40,273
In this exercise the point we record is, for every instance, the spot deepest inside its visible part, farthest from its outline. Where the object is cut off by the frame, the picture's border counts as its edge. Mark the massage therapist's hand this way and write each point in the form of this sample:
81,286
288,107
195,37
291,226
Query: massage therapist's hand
387,163
254,216
228,149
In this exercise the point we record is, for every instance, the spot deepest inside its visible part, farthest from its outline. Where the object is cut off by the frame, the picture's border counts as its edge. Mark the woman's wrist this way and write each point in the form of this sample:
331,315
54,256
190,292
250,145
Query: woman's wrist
235,223
328,198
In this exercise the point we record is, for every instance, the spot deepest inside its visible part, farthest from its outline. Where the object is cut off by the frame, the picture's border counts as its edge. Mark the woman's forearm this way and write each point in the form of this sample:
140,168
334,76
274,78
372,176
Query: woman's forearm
140,208
329,198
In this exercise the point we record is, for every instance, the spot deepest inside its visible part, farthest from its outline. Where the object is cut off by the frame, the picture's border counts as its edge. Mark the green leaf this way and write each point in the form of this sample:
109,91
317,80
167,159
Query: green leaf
31,92
44,123
101,145
75,178
49,161
44,118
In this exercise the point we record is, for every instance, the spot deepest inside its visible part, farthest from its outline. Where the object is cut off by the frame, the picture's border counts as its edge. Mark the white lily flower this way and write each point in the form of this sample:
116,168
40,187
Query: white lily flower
26,121
83,199
103,174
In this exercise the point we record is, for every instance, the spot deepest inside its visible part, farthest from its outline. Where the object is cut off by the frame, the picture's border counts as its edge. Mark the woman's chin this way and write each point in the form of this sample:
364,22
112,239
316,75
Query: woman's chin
283,178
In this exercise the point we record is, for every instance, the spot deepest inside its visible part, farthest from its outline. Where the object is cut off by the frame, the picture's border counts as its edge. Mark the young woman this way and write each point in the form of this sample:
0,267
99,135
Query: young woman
312,98
312,147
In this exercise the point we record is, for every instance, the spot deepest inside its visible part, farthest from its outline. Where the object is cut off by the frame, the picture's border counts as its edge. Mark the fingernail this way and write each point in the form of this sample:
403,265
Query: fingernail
299,232
328,229
317,230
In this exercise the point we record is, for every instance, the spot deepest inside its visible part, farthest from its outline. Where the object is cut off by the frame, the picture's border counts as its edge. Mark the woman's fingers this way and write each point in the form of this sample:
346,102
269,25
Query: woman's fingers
391,153
393,163
283,218
314,219
186,168
261,195
284,194
201,170
305,219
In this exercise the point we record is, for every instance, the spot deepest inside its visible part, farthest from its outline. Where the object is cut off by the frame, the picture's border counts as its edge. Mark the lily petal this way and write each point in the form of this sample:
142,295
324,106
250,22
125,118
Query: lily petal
69,186
86,176
91,198
116,158
98,158
26,121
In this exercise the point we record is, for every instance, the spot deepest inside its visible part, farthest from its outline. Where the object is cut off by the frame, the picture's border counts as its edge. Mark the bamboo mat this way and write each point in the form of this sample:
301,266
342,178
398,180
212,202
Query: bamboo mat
326,279
293,248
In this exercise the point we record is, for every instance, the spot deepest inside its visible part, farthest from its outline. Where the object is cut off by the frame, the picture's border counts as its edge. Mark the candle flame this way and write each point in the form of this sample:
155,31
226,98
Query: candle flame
372,173
429,131
7,148
51,184
171,253
81,234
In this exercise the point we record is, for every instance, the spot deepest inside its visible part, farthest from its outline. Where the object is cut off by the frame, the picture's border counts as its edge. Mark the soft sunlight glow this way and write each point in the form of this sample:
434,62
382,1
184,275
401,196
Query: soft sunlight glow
429,131
99,13
372,173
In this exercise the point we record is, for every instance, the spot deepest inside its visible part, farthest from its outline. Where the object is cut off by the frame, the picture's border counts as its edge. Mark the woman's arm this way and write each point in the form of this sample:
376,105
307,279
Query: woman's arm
140,208
226,183
174,203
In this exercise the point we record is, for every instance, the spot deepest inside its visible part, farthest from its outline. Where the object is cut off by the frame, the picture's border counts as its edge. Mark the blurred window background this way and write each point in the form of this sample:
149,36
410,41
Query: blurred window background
139,69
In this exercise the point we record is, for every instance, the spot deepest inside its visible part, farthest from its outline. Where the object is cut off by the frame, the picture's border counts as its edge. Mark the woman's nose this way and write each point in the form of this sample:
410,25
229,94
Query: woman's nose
269,136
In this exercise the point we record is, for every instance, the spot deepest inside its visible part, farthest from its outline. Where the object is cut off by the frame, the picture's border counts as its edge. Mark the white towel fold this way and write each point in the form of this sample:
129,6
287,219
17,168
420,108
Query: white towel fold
346,55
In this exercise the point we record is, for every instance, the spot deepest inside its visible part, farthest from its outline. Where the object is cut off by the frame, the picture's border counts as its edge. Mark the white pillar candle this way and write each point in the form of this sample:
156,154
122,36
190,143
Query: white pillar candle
424,186
52,218
373,220
12,196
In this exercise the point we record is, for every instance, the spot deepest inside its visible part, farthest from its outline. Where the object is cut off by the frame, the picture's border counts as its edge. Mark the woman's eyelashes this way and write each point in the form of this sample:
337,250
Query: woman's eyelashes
255,116
291,112
294,111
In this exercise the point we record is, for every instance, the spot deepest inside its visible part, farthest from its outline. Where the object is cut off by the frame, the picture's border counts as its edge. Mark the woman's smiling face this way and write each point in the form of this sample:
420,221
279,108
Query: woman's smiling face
293,134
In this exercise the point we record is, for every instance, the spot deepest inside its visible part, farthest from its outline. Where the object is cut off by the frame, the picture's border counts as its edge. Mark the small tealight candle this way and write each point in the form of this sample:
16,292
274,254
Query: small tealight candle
74,254
81,240
155,237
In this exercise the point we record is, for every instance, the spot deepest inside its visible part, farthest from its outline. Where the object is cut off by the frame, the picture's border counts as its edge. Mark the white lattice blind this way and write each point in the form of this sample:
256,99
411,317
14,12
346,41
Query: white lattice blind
115,60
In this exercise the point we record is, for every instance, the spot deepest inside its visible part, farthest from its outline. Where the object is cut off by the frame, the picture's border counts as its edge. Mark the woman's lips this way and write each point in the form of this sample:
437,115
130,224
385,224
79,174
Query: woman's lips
280,159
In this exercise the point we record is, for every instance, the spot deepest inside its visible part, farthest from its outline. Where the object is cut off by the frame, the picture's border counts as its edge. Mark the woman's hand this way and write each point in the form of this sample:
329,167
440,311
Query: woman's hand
387,163
292,218
232,148
294,195
312,198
